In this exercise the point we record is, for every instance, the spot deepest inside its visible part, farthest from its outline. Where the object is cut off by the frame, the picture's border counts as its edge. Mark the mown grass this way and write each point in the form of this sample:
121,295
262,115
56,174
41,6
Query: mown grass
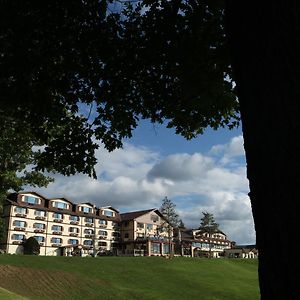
128,278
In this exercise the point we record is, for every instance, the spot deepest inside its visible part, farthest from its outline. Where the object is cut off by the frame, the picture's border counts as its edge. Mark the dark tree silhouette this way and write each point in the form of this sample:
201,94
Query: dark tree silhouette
31,246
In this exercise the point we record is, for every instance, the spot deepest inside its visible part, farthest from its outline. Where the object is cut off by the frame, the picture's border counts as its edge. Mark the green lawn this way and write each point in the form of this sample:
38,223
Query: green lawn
127,278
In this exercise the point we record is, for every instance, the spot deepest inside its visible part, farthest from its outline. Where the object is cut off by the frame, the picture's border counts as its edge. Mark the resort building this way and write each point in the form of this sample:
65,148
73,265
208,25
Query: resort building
197,243
64,228
143,233
60,226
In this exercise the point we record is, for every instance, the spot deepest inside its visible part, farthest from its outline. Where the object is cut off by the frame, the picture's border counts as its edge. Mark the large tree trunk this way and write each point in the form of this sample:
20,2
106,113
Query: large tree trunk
265,42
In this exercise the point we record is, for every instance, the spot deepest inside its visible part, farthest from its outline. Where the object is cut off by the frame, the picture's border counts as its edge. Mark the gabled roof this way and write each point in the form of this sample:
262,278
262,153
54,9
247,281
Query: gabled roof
13,196
135,214
109,207
63,199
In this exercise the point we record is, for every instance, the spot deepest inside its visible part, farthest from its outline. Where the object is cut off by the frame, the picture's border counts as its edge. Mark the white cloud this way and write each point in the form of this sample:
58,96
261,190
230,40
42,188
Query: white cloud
136,178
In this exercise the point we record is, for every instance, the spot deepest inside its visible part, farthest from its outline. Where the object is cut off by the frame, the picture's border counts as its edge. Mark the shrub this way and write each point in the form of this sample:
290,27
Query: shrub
31,246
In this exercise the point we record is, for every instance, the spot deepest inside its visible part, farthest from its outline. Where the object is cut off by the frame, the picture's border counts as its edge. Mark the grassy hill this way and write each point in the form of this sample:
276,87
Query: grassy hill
30,277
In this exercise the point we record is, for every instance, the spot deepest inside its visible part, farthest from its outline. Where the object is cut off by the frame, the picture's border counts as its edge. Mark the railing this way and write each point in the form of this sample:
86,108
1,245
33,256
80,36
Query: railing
74,222
40,218
39,230
19,228
57,232
58,220
89,224
21,215
73,234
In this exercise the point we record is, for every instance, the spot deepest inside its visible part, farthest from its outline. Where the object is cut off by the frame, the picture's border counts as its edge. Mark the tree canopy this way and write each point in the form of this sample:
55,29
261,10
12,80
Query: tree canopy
56,56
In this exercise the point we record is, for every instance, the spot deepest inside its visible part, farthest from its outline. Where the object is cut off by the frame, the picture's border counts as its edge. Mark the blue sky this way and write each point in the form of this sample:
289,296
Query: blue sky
204,174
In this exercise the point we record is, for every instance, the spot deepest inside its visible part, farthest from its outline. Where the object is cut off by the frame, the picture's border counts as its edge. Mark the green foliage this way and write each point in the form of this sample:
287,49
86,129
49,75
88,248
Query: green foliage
17,153
208,223
31,246
168,210
141,278
163,60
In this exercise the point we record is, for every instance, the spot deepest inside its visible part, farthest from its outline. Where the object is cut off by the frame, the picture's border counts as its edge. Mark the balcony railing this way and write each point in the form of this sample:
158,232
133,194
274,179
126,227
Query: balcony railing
89,224
57,232
19,228
21,215
73,234
40,218
102,225
74,222
56,245
89,235
58,220
102,237
39,230
17,242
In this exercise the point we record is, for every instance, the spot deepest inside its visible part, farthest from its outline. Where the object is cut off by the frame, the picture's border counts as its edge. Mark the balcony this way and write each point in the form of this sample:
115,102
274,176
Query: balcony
39,230
89,224
40,218
89,236
58,220
102,237
17,242
55,245
21,215
74,222
19,228
102,225
41,243
73,234
57,232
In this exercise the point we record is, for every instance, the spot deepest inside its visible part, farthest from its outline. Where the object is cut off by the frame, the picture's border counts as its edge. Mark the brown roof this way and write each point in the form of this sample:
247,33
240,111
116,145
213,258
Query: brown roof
135,214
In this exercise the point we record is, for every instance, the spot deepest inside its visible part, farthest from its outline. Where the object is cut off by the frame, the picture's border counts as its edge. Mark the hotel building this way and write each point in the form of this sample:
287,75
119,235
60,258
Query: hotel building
60,226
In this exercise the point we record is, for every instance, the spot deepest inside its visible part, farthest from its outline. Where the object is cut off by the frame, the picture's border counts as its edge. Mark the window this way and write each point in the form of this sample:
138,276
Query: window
116,234
18,237
140,225
73,242
88,231
57,228
18,223
155,248
40,213
88,242
31,200
60,205
154,218
58,216
20,210
108,213
40,226
126,236
74,218
87,210
39,238
103,232
56,240
102,222
89,220
74,229
149,227
166,249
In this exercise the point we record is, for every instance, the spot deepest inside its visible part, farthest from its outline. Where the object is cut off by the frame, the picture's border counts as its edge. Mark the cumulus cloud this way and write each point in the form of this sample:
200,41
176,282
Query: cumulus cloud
136,178
181,167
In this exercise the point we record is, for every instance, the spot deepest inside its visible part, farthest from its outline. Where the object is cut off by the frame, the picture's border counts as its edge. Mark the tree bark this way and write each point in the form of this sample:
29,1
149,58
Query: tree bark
265,43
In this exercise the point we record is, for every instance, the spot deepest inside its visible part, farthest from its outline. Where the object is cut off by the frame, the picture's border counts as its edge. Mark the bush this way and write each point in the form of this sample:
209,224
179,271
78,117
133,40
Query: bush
31,246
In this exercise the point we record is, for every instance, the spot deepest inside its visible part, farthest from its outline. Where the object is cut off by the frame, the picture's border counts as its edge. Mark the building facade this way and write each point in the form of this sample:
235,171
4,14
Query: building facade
196,243
143,234
60,226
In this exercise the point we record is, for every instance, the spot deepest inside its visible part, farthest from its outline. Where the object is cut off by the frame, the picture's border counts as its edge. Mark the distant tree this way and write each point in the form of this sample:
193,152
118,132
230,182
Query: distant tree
31,246
209,226
168,210
181,224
